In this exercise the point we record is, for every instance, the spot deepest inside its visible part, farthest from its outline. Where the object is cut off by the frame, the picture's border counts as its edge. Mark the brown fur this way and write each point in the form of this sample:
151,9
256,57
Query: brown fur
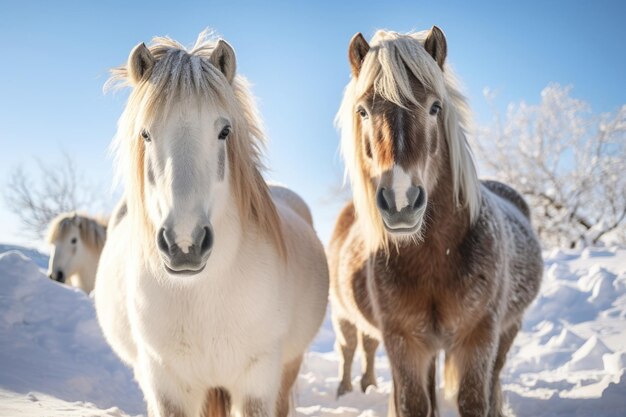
462,287
357,51
509,194
217,404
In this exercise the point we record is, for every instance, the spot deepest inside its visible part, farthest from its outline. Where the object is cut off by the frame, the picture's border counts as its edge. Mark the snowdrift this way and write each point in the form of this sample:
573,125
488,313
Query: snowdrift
50,343
569,359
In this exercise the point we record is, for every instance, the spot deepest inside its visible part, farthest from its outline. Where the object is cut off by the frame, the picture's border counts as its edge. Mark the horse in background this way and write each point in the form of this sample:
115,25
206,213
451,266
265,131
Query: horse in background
427,257
77,241
215,283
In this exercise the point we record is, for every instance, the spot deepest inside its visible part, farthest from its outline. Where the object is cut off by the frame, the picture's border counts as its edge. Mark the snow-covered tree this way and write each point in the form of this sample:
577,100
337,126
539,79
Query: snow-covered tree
568,162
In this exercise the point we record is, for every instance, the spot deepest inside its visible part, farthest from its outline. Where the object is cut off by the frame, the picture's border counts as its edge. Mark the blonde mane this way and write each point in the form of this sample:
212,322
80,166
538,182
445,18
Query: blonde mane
178,73
384,70
92,230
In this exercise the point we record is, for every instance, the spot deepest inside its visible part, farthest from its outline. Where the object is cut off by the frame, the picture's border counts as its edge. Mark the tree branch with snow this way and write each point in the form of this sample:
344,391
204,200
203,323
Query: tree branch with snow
567,161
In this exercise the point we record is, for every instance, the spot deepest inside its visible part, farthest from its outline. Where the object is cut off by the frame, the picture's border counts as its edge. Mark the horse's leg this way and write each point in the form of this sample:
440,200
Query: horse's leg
217,403
410,364
257,393
474,358
432,386
290,374
369,345
391,409
166,395
506,340
345,345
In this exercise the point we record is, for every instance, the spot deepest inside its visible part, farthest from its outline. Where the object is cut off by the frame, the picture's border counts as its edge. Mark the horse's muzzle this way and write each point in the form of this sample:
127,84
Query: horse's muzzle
189,262
58,277
406,220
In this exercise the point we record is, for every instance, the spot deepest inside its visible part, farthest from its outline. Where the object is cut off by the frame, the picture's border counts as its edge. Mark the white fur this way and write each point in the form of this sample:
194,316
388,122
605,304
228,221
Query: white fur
211,327
71,254
247,314
401,184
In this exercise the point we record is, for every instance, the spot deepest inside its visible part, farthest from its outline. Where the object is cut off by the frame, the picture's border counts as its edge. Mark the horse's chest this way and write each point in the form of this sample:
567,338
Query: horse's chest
185,329
437,306
211,336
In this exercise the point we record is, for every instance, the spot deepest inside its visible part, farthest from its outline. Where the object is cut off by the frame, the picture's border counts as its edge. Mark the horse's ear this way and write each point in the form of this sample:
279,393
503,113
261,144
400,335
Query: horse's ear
356,52
223,58
436,45
140,63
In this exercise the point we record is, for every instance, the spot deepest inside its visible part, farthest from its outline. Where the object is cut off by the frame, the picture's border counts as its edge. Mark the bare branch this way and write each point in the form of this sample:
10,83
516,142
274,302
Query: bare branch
37,196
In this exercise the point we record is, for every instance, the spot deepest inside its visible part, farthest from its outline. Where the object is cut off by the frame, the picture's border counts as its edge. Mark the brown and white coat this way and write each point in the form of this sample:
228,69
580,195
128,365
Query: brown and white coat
427,257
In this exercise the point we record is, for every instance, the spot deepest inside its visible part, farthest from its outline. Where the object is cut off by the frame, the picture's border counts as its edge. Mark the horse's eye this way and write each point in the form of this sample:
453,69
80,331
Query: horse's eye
435,109
145,135
224,133
361,112
73,241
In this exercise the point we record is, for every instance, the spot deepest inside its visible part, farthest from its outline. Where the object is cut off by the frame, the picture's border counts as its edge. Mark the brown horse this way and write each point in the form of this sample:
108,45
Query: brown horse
427,258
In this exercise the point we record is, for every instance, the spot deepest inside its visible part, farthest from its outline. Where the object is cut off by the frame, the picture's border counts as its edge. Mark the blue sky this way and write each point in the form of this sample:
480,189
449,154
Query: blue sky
56,56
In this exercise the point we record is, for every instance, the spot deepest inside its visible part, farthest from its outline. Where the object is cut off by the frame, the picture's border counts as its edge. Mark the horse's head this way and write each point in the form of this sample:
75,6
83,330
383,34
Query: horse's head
183,128
398,114
68,248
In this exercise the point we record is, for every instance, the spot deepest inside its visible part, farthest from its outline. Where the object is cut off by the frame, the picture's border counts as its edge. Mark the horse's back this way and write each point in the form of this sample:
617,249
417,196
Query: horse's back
307,270
292,200
519,248
509,193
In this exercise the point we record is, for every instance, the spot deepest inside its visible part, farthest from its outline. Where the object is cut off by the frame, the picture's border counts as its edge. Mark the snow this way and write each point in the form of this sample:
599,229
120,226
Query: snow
36,256
588,357
51,349
568,360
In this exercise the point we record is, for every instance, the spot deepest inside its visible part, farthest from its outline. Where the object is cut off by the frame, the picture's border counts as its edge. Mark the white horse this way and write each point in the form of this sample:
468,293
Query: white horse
214,286
77,241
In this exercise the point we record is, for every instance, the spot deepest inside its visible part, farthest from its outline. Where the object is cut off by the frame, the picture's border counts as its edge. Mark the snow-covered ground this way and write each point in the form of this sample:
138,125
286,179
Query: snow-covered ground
569,360
52,353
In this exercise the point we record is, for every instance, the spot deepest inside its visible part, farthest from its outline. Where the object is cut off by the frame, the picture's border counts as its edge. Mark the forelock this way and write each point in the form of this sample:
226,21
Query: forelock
391,61
59,227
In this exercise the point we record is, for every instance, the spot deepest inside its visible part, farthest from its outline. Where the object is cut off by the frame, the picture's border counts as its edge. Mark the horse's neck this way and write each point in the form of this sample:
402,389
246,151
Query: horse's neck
447,224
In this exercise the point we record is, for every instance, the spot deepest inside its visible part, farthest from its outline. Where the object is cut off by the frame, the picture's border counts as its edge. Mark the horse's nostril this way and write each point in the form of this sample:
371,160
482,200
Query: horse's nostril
207,240
162,241
421,199
381,201
60,277
416,197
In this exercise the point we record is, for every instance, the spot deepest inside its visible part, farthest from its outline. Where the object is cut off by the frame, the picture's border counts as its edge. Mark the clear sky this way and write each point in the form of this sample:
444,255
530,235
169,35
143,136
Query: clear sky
55,58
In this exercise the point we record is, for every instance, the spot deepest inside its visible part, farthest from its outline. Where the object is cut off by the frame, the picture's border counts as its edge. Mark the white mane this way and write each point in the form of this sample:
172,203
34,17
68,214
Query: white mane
92,231
181,73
